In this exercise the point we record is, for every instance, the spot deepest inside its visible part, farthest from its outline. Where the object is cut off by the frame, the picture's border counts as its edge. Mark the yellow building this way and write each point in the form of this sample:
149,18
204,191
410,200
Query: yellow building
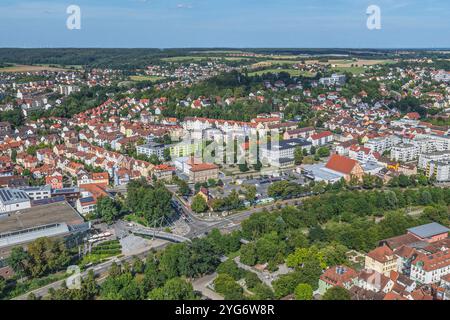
382,260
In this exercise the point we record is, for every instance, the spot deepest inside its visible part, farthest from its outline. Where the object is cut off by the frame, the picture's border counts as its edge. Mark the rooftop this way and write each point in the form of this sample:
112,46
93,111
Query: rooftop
428,230
11,196
59,212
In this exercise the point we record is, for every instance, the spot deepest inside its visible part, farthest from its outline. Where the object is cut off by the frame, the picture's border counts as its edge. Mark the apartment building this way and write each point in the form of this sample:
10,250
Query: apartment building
405,152
430,268
382,144
436,164
335,79
151,149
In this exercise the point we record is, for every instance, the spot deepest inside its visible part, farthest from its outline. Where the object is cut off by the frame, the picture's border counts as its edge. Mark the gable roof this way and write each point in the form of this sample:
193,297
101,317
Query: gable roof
341,164
381,254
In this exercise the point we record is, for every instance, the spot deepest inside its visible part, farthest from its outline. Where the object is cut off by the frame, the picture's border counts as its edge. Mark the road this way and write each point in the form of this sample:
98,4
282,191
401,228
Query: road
100,271
202,284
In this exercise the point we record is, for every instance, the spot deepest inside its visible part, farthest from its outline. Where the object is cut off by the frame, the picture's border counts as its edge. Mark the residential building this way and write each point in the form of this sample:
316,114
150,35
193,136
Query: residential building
321,139
337,276
382,144
405,152
151,149
382,260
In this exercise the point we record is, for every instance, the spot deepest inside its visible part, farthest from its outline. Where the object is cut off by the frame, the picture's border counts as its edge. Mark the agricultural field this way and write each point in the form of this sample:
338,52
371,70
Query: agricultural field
353,70
202,58
355,62
269,63
145,78
28,68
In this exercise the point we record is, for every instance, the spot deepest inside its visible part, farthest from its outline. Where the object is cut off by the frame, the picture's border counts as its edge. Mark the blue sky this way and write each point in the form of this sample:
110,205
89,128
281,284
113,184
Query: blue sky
225,23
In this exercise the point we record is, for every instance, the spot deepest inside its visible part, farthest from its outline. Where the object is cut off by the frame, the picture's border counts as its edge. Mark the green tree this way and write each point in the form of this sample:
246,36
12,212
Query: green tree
173,289
107,209
199,204
18,260
303,292
248,254
336,293
298,155
323,152
225,285
230,267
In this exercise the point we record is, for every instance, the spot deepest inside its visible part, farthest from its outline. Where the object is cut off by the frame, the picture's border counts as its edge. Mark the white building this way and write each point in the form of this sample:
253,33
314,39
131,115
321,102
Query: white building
152,148
335,79
436,164
13,200
428,269
38,193
282,153
405,152
382,144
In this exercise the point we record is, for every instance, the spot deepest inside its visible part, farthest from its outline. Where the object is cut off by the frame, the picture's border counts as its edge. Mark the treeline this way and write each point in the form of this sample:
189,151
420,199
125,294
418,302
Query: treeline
88,57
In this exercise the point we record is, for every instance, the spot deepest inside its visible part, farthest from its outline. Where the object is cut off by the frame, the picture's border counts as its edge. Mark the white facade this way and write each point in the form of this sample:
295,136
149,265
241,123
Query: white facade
13,200
152,149
405,152
428,277
382,144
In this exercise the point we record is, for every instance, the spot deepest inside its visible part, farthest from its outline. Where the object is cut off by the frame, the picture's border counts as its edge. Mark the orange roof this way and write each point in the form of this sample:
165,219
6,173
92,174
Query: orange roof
100,176
203,167
393,296
338,275
321,135
96,190
164,167
381,254
341,164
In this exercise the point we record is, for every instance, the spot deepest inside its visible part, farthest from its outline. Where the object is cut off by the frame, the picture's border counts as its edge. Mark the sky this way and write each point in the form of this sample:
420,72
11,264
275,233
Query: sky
225,23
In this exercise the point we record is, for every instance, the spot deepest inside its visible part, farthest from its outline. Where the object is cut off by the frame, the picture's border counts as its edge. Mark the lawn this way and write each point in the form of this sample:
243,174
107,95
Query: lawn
354,70
146,78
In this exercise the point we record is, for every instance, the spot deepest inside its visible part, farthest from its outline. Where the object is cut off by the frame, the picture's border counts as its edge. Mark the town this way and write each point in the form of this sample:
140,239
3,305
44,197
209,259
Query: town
236,175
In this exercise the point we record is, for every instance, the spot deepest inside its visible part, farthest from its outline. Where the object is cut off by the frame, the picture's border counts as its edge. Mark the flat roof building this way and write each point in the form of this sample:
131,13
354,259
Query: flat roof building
55,220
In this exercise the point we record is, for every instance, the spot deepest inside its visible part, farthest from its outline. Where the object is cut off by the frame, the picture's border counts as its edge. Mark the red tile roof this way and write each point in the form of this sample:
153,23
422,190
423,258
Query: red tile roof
341,164
381,254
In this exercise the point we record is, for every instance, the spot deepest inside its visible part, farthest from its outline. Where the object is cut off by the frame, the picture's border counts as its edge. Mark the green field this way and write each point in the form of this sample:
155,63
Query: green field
145,78
200,58
354,70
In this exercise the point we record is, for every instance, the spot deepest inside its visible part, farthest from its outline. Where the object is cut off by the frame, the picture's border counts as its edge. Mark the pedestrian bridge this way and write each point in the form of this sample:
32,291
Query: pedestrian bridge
161,235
